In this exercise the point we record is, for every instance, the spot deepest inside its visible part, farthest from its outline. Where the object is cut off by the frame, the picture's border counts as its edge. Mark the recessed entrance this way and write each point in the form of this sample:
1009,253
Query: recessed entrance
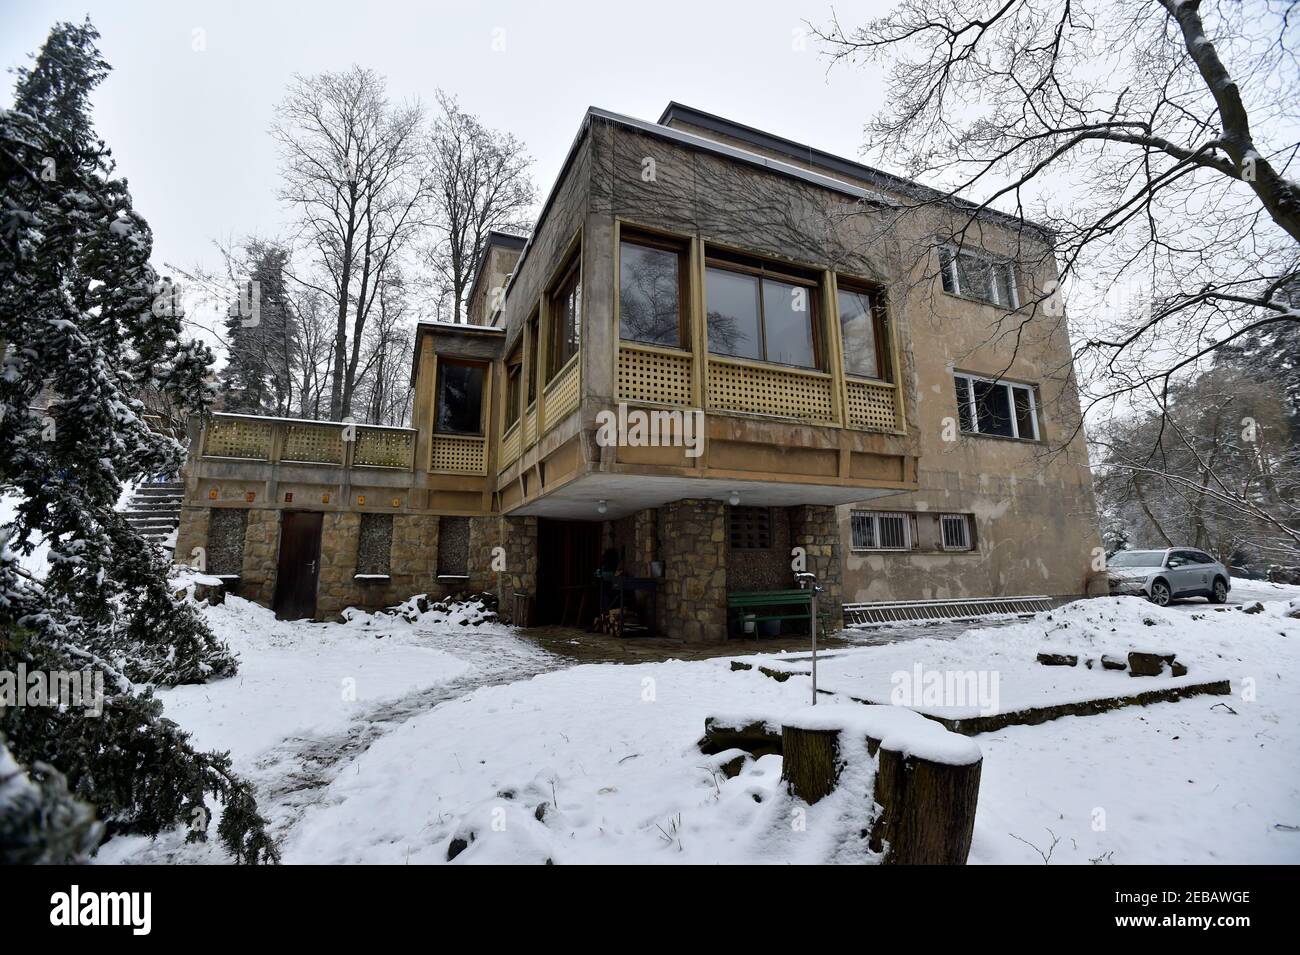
568,555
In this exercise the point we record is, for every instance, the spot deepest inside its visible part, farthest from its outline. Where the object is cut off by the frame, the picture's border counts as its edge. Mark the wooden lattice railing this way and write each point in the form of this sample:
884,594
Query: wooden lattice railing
654,375
761,389
291,441
563,395
458,454
872,405
511,444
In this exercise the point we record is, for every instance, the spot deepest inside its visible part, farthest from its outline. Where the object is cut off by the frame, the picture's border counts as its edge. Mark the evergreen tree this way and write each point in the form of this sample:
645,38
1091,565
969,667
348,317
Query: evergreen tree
82,336
261,344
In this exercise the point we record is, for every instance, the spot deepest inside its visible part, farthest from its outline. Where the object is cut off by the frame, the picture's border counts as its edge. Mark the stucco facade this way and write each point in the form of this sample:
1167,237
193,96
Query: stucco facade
795,448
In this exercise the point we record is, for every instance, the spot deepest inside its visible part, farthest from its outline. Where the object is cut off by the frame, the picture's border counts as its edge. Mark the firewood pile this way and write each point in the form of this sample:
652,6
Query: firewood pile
615,620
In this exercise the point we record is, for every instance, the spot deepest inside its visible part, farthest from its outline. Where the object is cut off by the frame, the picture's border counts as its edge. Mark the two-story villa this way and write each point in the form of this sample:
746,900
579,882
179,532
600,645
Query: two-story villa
720,354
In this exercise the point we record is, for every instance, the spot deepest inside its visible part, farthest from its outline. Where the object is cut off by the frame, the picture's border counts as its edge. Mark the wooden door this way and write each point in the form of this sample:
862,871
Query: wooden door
299,566
568,555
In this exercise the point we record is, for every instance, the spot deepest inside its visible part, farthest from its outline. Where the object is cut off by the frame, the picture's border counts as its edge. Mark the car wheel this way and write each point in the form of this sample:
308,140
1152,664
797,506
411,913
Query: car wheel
1220,595
1160,594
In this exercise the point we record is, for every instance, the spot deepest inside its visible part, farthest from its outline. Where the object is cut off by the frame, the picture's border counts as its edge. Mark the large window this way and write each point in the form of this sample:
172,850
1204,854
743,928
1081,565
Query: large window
1001,408
863,333
460,396
881,530
976,276
650,292
565,320
756,315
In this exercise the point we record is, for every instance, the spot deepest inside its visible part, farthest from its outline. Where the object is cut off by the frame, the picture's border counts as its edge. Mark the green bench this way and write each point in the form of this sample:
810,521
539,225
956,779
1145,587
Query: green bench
786,604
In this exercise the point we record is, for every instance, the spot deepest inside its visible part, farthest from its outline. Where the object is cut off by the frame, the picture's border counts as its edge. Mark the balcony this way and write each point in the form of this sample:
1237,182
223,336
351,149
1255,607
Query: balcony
317,443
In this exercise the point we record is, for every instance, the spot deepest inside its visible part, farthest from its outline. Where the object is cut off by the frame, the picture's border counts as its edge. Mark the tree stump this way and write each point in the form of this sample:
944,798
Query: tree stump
810,762
927,812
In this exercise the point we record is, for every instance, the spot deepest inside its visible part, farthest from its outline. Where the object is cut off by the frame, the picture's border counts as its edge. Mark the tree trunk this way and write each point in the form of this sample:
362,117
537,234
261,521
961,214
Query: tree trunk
927,812
810,763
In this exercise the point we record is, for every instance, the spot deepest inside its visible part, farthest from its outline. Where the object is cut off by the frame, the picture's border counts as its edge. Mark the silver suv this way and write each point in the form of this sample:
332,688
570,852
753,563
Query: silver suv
1163,575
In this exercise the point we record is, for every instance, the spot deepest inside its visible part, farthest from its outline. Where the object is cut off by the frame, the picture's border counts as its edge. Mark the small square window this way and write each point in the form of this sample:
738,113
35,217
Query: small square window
955,530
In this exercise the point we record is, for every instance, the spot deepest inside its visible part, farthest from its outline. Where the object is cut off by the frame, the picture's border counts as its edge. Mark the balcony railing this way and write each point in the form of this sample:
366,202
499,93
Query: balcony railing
654,375
458,454
562,395
760,389
291,441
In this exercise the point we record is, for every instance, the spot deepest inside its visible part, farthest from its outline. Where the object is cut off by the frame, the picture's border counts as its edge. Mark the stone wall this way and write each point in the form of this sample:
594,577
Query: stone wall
192,532
692,545
336,588
765,568
261,555
519,538
815,528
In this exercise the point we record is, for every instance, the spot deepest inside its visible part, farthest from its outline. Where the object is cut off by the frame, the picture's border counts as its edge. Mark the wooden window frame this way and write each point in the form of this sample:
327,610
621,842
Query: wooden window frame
570,276
514,382
879,326
533,340
680,248
759,270
441,360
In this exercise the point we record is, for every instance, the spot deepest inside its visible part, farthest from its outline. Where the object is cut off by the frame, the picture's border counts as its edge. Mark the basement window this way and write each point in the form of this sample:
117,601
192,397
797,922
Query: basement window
1000,408
460,396
980,277
881,530
651,291
954,531
749,528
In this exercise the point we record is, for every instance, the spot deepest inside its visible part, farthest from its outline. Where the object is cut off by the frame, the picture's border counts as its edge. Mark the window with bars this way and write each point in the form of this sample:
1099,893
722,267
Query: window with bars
954,531
750,528
881,530
1001,408
980,277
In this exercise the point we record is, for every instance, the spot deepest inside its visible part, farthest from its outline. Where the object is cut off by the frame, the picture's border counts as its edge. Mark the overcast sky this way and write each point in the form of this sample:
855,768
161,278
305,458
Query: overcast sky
187,106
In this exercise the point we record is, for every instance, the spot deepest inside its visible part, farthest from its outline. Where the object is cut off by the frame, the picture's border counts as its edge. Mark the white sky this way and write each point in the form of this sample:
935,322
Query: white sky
189,127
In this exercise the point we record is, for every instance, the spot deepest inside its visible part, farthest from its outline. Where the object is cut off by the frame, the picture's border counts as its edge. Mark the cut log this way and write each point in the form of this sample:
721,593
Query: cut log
927,814
756,737
811,762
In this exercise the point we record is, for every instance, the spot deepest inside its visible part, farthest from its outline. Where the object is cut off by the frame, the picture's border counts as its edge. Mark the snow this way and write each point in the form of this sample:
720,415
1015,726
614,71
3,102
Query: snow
299,678
598,763
995,670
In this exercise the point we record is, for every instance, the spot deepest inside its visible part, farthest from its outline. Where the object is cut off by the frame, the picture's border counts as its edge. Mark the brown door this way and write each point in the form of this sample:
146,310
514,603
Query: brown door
299,567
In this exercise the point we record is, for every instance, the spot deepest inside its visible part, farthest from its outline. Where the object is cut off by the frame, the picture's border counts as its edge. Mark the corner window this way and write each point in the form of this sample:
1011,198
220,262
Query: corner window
1000,408
980,277
754,314
863,334
650,292
460,397
954,531
565,320
881,530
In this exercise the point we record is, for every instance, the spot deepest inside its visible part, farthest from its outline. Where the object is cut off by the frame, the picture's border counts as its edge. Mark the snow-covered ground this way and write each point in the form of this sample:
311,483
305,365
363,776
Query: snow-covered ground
598,762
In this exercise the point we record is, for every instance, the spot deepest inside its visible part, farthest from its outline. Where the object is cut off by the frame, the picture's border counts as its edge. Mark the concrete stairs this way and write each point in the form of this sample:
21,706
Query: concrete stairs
155,511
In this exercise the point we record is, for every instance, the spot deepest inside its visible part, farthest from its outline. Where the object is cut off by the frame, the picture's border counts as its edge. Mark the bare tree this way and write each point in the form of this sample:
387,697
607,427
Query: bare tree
352,170
1151,142
481,183
384,386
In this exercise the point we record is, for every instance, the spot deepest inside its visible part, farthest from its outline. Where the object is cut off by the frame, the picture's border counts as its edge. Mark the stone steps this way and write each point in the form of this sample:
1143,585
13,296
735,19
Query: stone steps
154,510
